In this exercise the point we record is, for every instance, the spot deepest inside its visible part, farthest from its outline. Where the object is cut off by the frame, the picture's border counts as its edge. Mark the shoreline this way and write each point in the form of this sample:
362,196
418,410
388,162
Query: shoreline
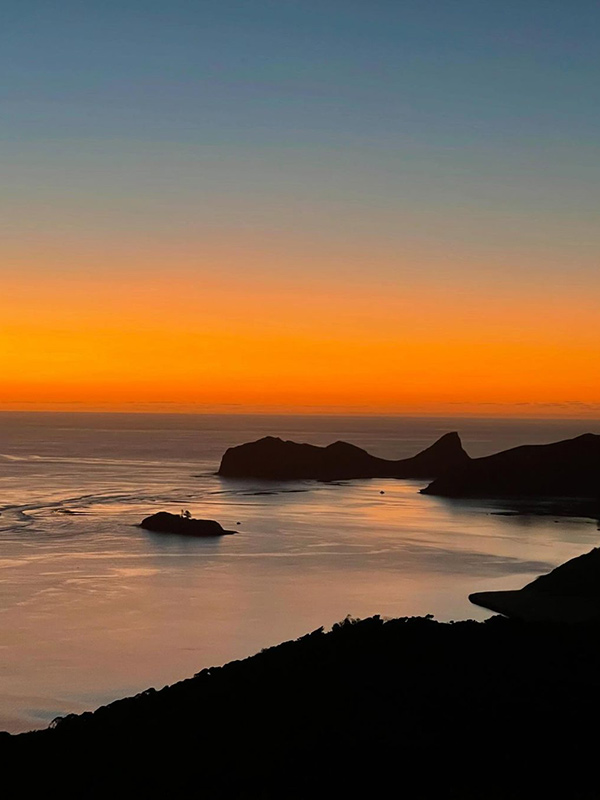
464,709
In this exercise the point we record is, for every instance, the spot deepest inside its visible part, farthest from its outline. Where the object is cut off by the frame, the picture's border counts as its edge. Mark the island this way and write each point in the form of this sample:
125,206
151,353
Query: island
566,469
272,458
163,522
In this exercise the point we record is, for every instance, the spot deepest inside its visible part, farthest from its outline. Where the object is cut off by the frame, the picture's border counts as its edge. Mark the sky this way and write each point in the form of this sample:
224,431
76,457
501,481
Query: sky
297,206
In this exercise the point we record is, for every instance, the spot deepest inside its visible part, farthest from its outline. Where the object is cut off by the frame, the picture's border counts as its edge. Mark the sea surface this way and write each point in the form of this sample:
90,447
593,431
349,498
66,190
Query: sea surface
94,608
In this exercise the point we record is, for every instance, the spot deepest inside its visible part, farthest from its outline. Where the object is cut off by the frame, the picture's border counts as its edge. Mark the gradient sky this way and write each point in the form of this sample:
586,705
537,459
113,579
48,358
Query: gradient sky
300,205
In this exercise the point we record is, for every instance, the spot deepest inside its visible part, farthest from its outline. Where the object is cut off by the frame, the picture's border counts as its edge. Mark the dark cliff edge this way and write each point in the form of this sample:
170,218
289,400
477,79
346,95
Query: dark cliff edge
569,593
567,469
272,458
401,708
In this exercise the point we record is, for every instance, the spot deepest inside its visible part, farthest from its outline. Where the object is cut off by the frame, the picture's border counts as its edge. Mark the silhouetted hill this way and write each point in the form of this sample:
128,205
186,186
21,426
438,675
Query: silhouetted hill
570,468
275,459
570,593
163,522
404,708
579,577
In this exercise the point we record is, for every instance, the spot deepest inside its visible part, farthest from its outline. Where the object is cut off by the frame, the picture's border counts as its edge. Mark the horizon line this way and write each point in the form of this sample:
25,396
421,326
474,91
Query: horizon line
306,413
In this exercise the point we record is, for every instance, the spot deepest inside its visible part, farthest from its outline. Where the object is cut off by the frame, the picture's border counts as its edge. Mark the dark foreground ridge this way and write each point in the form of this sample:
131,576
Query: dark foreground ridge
570,468
402,708
272,458
163,522
570,593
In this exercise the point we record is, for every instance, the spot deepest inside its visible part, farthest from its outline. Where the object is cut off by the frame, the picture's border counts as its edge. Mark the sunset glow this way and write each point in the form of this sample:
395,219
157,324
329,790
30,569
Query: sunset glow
367,211
182,341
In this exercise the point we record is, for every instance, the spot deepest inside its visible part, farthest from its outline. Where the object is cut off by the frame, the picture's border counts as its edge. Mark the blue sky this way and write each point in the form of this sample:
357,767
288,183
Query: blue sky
449,107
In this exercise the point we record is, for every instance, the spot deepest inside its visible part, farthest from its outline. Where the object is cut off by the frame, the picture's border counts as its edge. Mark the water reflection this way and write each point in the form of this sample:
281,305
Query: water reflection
95,608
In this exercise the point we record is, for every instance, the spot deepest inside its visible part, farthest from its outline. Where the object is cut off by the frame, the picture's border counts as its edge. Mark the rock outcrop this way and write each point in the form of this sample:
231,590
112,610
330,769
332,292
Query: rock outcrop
570,593
275,459
163,522
570,468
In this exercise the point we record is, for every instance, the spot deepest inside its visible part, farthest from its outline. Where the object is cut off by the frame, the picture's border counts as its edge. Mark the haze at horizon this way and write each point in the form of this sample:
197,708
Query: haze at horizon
301,206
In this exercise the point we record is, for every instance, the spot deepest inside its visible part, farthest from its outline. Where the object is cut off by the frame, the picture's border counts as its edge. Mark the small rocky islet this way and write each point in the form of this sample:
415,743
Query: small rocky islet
181,524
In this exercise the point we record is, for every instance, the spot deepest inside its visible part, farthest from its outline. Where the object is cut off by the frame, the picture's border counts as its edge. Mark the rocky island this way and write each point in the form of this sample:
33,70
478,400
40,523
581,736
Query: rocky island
163,522
272,458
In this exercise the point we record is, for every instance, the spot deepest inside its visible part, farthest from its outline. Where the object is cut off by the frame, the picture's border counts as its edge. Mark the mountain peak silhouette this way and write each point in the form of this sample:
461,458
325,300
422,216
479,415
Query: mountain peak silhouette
569,468
273,458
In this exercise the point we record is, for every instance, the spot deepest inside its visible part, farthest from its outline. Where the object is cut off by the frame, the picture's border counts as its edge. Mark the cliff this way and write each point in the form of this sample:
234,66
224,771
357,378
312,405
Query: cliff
570,593
570,468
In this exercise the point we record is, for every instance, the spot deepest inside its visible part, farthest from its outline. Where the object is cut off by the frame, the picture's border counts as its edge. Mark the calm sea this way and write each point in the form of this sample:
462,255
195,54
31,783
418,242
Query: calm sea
94,608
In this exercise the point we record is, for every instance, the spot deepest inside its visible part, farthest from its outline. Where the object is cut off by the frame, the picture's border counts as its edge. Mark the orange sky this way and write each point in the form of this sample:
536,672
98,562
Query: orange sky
229,338
301,207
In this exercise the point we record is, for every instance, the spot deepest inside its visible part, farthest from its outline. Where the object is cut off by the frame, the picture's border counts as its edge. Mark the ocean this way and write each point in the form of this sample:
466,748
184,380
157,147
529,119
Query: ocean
95,608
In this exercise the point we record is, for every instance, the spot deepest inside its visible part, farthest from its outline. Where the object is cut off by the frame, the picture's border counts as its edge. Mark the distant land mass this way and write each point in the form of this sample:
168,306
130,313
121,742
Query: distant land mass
272,458
570,468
